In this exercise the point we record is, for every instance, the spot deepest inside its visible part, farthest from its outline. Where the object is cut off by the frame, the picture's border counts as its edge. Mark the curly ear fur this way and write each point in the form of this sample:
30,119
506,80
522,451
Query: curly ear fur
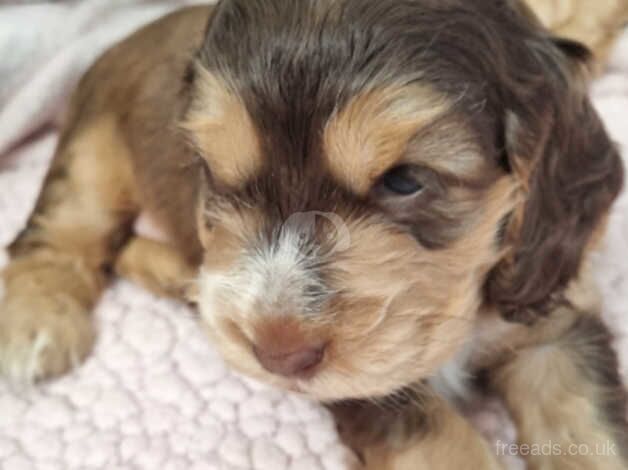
569,173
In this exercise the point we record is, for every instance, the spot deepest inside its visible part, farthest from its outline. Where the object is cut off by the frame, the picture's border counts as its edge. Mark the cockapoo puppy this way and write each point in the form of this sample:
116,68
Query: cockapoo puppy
369,200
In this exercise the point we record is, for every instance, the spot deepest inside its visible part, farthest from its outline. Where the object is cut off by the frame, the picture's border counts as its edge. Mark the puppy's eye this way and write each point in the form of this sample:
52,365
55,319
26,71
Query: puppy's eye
401,181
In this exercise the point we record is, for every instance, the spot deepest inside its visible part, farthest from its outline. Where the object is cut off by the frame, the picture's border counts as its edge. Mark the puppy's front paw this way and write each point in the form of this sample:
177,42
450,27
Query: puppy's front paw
42,336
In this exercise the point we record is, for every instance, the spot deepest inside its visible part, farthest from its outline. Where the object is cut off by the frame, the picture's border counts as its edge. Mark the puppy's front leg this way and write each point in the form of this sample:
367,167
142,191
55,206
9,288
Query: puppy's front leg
414,431
158,267
60,262
568,401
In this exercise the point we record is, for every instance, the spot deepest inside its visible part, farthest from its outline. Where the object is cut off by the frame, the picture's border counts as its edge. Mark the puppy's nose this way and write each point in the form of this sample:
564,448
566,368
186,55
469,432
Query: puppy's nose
298,363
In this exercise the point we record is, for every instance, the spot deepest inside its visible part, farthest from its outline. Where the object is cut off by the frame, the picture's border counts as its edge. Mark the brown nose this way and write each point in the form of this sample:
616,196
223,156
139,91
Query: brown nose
298,363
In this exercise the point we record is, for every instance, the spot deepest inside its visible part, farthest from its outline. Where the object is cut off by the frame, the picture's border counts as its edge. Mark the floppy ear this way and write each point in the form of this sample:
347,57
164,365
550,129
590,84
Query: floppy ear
569,173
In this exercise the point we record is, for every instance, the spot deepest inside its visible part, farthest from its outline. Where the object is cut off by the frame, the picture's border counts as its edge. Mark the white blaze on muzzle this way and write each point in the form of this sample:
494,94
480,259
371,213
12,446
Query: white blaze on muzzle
278,276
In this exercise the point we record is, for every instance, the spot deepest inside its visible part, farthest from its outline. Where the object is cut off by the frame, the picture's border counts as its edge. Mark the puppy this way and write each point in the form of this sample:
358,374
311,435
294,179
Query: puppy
595,25
370,199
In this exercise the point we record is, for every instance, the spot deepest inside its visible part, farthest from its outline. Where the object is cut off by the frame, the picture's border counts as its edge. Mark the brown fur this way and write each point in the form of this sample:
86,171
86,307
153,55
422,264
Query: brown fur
62,259
390,277
157,267
223,132
261,143
579,399
414,429
372,132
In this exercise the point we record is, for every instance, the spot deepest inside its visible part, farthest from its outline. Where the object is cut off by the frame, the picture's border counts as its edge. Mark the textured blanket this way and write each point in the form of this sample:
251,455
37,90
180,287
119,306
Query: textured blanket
154,394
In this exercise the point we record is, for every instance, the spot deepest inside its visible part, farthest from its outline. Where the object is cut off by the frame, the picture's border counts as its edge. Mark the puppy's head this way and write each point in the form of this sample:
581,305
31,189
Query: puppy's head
375,172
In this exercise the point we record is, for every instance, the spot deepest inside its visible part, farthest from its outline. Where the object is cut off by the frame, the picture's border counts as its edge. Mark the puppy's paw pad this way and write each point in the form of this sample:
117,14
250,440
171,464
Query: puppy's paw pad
42,338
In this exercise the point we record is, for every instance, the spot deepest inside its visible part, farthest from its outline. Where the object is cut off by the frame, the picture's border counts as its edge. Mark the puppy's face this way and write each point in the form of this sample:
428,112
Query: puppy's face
356,190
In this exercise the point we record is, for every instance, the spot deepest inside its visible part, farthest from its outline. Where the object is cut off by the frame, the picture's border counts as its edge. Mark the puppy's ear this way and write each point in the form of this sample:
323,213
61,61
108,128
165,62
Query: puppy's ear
569,173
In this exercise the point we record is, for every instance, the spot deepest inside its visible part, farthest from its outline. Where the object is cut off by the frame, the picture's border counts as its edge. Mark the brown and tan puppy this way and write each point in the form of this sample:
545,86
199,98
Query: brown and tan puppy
369,200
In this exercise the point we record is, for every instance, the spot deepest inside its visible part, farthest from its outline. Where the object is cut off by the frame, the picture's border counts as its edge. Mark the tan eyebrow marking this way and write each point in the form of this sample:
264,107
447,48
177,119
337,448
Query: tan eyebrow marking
222,130
448,147
372,132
